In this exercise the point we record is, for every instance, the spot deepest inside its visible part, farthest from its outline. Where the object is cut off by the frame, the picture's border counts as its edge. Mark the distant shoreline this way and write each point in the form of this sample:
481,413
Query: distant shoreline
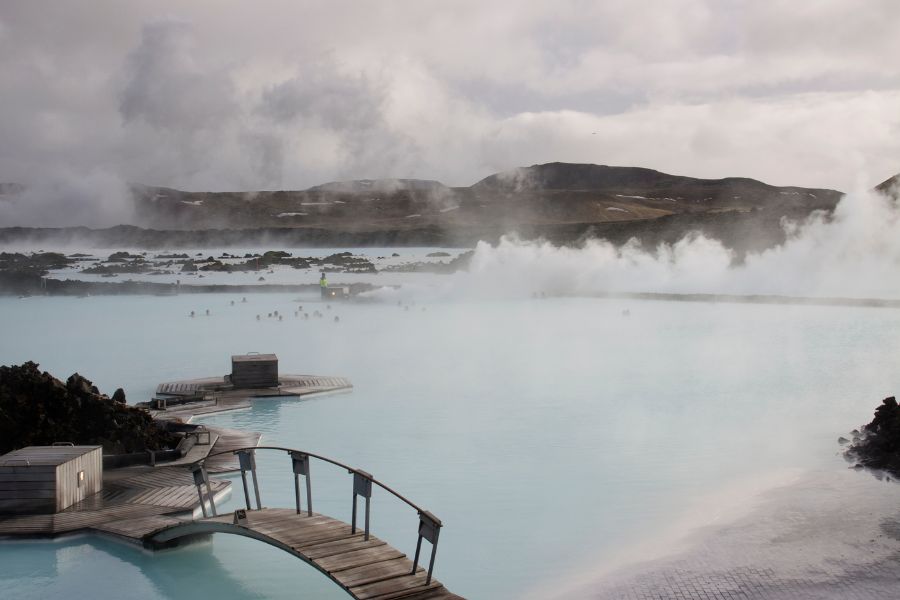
75,287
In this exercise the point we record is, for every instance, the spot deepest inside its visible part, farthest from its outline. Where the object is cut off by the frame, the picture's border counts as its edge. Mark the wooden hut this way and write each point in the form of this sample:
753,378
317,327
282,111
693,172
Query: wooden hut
254,370
49,479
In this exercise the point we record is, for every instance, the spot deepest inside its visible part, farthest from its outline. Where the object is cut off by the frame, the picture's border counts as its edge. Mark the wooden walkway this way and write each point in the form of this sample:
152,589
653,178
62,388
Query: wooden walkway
214,394
367,570
156,507
289,385
132,495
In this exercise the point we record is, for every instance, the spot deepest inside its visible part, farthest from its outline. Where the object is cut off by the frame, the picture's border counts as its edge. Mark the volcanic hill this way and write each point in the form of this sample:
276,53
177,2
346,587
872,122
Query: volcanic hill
562,202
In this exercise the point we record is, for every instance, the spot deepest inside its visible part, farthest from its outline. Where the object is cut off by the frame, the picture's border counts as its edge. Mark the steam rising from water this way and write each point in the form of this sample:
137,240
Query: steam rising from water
66,199
852,253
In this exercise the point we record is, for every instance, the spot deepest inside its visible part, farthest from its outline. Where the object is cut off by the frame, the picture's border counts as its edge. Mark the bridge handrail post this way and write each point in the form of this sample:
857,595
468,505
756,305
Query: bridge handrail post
429,524
362,486
429,529
245,461
202,477
300,464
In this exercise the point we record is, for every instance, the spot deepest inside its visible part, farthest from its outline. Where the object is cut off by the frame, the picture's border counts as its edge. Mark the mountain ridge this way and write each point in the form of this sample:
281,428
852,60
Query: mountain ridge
562,202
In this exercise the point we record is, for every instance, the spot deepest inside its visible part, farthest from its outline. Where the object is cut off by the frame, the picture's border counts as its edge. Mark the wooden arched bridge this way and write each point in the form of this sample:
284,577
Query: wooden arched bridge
363,565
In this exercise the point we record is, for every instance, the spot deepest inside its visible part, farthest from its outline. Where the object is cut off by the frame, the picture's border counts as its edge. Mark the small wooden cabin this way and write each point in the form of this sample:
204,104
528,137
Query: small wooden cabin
254,370
49,479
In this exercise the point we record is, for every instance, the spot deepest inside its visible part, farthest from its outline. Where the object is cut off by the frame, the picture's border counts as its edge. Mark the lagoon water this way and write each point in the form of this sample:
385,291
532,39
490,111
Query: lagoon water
549,435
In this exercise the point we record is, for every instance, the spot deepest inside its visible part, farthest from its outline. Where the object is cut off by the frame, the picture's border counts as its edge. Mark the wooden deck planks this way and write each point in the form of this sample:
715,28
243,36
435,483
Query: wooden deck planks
133,497
440,593
230,440
359,558
141,502
367,569
138,527
377,572
219,396
323,550
396,587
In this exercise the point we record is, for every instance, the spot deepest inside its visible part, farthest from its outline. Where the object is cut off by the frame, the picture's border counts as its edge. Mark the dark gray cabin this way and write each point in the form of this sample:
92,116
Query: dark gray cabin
254,370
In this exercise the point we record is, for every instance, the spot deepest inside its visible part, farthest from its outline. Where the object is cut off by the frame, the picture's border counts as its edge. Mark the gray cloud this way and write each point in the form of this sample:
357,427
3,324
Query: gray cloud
350,108
165,86
95,198
206,95
322,94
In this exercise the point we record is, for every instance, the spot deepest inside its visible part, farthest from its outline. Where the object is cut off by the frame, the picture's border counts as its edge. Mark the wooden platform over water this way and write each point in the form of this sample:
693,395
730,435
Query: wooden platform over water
129,494
134,498
367,569
196,397
156,506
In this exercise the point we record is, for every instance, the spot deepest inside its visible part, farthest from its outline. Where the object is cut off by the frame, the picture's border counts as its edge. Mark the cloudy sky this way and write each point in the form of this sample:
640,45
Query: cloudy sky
217,94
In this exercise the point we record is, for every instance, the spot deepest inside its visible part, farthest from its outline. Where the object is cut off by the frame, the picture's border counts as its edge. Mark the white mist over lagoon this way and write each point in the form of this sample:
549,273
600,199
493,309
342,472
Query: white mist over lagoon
546,434
852,253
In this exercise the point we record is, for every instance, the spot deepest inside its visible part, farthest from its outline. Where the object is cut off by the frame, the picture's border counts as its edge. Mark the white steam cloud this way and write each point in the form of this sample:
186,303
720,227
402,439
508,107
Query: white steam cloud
66,198
852,253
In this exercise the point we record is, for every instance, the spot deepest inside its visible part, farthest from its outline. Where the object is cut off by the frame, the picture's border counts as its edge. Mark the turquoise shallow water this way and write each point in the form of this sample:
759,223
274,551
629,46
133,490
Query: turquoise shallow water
546,434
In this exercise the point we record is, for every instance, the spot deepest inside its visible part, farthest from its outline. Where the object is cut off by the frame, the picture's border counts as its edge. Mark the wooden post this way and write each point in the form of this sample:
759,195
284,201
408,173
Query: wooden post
256,487
362,486
245,460
197,472
212,501
300,464
429,529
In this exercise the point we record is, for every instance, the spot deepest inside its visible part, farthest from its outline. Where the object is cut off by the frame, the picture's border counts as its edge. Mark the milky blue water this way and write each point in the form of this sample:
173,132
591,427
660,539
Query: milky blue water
546,434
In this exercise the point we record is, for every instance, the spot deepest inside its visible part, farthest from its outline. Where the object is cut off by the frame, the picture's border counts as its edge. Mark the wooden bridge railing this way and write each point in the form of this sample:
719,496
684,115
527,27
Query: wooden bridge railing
429,525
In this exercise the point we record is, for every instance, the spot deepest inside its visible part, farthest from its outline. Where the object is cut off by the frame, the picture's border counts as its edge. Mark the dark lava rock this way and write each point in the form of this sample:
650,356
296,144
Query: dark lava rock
119,267
38,409
842,440
123,256
878,445
215,266
38,263
459,263
119,395
438,254
188,267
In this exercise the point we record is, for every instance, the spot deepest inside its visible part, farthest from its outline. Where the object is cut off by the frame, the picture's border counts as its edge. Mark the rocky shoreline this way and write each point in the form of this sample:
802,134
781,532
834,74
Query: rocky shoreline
36,286
27,274
877,445
36,409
